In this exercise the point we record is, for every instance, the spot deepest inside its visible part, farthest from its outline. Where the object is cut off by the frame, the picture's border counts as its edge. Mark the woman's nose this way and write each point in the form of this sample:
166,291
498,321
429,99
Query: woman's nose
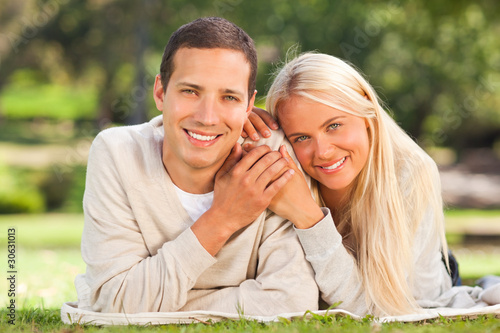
324,149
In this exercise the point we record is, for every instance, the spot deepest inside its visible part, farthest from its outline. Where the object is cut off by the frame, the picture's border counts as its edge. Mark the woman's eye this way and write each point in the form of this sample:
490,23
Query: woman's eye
334,126
301,138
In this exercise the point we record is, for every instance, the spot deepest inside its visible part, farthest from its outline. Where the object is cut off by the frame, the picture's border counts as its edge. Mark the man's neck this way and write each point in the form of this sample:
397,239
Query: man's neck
191,181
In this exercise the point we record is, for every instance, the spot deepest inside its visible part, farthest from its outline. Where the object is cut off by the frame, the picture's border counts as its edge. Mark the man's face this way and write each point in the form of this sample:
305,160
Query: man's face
204,107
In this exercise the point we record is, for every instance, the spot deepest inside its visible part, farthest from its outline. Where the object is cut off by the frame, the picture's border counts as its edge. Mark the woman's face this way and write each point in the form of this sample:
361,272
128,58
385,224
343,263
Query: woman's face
331,145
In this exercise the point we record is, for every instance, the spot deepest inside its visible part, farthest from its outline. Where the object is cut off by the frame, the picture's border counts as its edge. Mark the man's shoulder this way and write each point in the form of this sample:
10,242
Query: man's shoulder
133,134
129,148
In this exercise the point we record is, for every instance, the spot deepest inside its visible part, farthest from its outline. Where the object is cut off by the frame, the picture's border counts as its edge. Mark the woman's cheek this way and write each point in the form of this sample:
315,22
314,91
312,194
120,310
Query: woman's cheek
303,155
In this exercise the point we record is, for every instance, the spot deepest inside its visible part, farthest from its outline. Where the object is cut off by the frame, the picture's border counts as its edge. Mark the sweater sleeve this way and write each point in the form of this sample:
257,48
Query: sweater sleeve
431,278
335,268
122,275
337,274
283,283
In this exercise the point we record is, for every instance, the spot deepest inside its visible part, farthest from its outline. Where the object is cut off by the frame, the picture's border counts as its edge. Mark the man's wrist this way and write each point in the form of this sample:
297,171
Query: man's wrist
211,231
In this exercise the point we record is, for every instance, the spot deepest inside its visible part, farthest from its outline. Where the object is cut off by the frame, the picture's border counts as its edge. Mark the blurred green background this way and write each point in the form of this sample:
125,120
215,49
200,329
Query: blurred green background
69,69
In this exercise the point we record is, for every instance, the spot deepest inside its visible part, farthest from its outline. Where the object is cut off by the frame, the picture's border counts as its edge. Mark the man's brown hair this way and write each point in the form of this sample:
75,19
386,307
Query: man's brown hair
210,33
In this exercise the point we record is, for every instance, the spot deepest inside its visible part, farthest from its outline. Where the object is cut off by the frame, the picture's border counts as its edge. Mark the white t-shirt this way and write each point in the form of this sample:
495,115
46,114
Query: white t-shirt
195,204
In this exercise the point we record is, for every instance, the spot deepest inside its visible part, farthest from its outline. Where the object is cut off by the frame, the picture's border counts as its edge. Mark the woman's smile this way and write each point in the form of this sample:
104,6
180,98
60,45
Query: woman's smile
331,145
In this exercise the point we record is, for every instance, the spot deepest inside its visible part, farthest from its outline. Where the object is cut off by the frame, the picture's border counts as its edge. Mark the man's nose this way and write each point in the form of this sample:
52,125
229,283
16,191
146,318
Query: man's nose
207,112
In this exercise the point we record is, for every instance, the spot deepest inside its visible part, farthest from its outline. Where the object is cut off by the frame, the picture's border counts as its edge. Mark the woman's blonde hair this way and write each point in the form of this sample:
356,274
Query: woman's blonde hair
395,189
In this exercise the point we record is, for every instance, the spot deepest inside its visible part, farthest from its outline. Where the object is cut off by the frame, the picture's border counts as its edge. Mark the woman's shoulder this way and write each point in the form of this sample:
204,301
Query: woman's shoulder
420,187
417,172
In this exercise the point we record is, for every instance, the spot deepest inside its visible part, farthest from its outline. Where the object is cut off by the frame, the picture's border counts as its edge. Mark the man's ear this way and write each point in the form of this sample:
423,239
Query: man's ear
251,102
158,93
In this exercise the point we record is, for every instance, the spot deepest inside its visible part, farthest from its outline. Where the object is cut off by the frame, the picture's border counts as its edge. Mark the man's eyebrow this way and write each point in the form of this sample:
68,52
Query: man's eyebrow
187,84
232,92
200,88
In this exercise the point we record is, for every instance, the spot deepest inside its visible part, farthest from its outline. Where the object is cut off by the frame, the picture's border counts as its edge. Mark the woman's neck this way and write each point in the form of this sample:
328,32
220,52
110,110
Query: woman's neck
334,200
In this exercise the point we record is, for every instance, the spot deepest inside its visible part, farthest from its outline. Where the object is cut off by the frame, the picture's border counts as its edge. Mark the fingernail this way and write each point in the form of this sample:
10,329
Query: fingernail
255,137
275,126
267,133
292,171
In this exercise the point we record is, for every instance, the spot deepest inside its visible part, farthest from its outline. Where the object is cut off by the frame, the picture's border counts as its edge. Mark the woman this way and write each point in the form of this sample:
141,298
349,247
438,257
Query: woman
377,244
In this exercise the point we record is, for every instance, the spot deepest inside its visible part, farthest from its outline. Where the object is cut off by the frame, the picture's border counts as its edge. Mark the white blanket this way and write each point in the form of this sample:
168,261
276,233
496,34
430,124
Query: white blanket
70,314
476,303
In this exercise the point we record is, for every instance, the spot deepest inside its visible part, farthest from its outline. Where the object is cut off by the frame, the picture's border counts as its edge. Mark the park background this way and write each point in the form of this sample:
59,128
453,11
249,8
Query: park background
70,68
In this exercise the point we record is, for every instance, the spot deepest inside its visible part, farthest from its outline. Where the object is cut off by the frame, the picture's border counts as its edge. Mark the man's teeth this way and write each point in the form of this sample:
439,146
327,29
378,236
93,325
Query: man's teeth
201,137
335,166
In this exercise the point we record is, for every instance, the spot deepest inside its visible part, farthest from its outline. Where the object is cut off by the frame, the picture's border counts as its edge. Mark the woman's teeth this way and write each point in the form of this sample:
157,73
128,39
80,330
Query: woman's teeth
201,137
335,166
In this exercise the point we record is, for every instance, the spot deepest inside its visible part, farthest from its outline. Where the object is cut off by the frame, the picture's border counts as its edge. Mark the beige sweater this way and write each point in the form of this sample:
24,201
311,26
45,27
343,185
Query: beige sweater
142,256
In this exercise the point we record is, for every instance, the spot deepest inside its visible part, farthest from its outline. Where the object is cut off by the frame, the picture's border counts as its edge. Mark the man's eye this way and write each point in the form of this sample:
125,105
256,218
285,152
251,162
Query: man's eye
188,91
230,98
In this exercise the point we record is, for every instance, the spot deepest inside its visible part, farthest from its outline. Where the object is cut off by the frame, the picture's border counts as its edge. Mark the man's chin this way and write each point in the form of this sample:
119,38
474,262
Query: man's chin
200,164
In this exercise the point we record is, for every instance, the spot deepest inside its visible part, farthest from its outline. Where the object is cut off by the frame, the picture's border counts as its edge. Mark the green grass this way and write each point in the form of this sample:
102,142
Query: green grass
459,220
48,320
472,213
44,277
37,320
48,259
475,260
44,230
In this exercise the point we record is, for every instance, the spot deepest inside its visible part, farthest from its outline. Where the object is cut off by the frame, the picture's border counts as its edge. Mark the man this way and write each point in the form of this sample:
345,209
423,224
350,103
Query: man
175,214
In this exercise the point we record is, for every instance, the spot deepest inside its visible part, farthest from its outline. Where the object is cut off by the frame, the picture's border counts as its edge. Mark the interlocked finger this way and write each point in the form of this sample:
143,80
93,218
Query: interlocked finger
251,158
272,170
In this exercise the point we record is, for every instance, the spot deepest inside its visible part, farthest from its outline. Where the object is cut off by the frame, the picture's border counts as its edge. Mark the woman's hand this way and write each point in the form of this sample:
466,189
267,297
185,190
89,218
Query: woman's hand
244,187
294,201
259,121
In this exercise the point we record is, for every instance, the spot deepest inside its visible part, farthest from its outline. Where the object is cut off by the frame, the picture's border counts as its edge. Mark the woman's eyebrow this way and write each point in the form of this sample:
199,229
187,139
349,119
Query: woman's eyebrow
295,134
330,120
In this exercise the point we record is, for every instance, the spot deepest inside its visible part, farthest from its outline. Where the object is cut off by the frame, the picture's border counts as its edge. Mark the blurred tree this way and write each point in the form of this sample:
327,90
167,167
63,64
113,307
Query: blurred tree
436,64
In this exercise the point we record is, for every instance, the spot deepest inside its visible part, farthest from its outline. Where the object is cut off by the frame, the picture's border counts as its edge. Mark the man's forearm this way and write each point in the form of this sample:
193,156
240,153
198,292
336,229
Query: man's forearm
211,231
125,281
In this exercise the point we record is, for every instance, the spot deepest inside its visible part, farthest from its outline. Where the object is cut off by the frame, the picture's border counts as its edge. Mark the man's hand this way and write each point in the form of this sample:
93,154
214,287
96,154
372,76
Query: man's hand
259,121
244,187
